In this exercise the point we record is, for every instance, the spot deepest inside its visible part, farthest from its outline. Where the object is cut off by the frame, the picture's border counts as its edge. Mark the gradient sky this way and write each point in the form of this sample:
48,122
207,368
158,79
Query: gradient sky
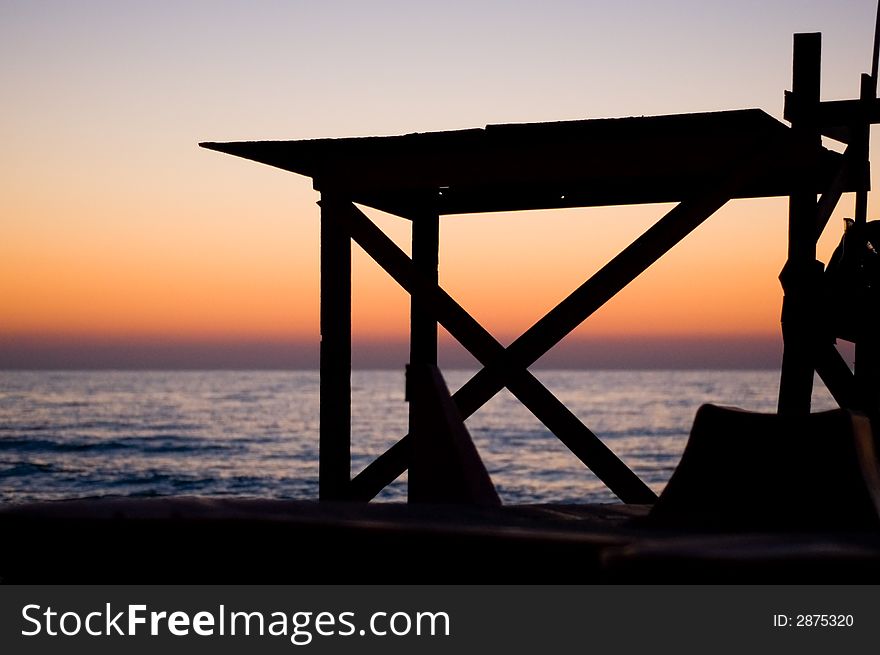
124,244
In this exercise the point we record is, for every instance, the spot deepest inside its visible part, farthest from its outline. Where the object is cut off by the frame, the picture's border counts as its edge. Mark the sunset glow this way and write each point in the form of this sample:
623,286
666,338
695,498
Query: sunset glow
115,226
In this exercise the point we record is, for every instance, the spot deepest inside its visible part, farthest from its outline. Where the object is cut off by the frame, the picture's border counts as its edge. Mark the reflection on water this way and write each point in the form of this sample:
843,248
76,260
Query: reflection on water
73,434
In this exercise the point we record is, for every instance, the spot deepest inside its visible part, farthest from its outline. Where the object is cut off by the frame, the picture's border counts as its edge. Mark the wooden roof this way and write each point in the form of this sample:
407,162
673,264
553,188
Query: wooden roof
546,165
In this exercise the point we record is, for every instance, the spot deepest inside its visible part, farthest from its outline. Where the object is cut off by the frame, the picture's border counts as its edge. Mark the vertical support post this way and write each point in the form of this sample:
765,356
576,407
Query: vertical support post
425,257
867,364
800,274
423,327
334,467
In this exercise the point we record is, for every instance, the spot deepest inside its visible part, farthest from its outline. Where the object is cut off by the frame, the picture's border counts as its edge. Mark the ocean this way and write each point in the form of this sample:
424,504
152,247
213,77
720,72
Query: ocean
73,434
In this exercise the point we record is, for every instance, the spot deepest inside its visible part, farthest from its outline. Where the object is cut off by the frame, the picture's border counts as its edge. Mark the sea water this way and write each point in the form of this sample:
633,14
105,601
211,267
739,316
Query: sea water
71,434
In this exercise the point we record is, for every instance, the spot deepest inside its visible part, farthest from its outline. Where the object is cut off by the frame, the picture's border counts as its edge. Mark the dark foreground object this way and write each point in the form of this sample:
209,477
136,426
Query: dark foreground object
200,540
748,472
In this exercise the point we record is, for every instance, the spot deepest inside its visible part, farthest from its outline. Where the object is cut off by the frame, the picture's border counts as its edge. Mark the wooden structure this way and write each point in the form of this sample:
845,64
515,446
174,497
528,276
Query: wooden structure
699,161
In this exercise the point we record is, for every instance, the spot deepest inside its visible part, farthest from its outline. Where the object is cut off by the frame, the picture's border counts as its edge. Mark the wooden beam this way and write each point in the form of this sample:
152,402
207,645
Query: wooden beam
799,275
830,113
837,376
482,345
334,466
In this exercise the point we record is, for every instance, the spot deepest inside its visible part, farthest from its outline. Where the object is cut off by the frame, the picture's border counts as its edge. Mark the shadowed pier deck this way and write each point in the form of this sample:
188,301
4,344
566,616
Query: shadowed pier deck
201,540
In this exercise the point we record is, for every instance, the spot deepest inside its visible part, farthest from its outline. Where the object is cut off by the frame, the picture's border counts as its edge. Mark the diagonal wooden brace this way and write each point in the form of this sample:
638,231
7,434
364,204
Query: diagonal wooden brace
570,313
836,375
482,345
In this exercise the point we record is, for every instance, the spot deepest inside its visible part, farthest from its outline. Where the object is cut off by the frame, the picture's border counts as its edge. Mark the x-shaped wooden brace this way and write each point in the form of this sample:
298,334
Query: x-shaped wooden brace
508,367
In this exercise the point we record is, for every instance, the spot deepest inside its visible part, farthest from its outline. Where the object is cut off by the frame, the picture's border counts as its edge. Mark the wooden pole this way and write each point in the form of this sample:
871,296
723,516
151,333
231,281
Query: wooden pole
445,466
423,326
867,364
334,467
800,273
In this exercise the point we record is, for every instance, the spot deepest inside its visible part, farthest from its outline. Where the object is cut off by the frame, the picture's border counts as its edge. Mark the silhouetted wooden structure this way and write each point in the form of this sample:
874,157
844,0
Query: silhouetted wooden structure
700,161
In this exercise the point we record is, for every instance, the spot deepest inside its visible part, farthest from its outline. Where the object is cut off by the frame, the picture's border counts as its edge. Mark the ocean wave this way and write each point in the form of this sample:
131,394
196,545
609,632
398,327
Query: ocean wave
156,446
21,469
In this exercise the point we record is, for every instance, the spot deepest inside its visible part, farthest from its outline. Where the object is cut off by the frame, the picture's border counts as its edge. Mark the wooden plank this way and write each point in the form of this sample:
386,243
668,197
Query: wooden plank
334,467
799,274
482,345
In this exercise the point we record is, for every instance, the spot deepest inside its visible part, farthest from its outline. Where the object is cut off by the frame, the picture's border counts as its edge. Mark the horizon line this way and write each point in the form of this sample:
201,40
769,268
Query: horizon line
623,352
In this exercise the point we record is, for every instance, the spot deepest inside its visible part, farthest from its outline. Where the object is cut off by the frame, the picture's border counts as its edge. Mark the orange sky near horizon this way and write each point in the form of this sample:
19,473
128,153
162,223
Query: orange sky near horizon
233,283
115,225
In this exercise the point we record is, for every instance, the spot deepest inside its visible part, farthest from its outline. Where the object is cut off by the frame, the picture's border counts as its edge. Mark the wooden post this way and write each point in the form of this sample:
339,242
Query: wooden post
423,326
334,467
867,364
425,256
568,314
835,373
800,273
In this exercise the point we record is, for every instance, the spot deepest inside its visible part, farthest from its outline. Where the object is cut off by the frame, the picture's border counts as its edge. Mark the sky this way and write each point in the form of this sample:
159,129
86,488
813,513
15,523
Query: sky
123,244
